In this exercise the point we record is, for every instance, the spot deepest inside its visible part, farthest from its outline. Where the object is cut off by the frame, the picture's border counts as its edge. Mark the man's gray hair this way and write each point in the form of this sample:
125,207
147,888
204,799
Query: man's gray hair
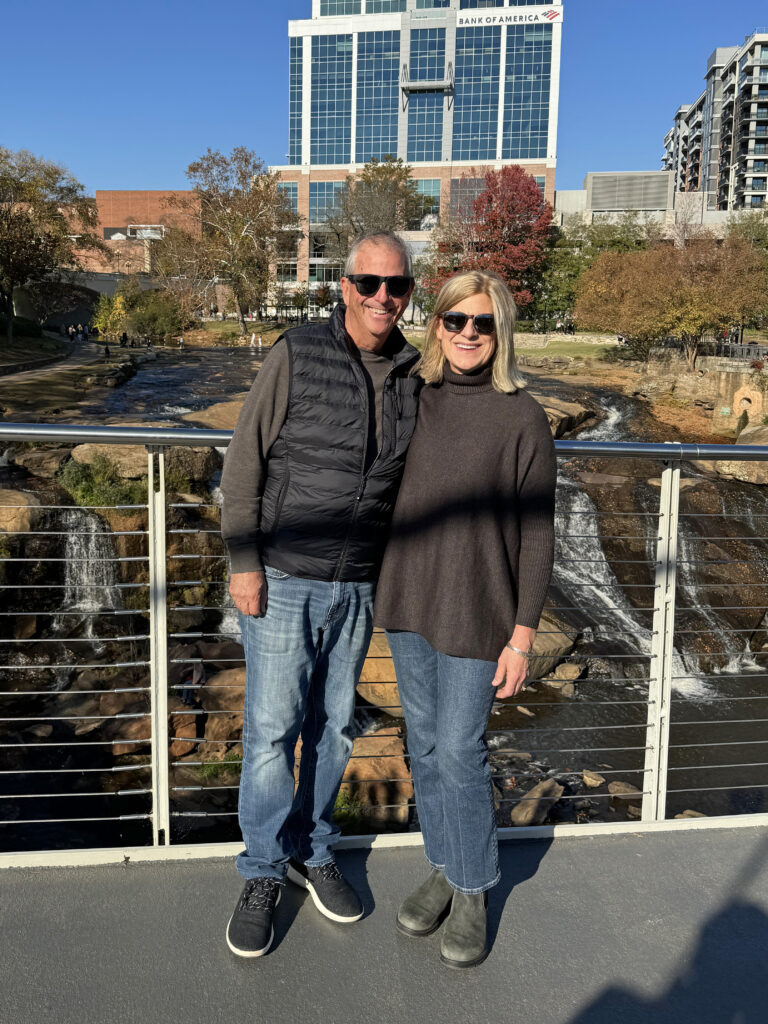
387,238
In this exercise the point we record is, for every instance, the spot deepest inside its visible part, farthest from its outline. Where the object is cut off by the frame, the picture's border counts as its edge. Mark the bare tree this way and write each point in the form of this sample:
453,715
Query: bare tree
242,210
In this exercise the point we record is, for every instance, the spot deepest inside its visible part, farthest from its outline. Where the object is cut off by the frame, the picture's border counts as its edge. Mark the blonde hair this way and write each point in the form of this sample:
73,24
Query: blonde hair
505,377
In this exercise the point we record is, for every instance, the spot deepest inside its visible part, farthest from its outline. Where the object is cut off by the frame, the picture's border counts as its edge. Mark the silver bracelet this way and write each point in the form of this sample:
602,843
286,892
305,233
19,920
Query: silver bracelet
523,654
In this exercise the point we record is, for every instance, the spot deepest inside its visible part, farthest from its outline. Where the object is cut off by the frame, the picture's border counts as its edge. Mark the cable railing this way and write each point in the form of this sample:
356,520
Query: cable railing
122,675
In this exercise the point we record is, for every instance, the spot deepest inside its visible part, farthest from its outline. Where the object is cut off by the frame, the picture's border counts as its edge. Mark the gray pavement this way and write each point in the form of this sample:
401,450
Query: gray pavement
666,927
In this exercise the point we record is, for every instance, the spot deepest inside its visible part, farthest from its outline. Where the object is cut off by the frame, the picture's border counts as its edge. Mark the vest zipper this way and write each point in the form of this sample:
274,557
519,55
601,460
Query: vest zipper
361,483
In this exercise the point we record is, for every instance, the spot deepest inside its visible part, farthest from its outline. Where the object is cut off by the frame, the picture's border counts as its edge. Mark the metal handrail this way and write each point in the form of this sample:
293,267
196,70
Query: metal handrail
654,671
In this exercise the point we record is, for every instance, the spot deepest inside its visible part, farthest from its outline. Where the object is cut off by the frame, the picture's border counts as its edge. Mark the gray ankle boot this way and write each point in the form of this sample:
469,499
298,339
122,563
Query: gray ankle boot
464,938
421,912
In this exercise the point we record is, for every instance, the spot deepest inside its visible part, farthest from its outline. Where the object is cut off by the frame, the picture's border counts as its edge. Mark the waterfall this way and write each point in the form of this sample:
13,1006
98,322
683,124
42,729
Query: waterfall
578,537
579,559
90,578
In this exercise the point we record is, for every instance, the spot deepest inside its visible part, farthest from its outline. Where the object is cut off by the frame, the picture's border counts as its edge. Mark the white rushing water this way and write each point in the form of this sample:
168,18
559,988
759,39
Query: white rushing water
580,559
90,574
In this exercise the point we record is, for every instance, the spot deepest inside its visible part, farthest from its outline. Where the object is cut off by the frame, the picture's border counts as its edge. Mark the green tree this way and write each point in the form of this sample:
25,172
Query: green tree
158,314
574,247
110,317
242,210
46,221
383,197
300,299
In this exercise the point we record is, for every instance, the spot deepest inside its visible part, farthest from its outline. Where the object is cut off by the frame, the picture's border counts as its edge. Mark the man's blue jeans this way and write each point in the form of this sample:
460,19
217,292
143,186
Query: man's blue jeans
447,702
303,661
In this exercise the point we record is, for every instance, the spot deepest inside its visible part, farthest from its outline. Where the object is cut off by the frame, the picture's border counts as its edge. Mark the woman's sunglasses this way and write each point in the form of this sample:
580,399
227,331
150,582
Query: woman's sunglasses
368,284
456,322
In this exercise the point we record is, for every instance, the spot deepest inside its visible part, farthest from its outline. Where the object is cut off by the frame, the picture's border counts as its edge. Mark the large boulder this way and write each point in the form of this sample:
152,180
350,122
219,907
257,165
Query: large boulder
552,644
220,416
42,462
130,459
18,511
378,756
535,805
197,465
564,416
749,472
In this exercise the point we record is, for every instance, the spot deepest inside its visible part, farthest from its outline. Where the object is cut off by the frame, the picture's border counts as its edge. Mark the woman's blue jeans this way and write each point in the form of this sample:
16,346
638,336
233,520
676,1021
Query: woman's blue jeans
303,661
447,702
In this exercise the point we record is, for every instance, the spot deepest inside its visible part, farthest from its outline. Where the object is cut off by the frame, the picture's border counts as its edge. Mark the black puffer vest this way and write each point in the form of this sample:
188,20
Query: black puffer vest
322,516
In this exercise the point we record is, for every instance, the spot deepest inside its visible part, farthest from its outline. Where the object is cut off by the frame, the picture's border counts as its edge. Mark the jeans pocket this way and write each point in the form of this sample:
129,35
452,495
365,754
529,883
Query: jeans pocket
275,574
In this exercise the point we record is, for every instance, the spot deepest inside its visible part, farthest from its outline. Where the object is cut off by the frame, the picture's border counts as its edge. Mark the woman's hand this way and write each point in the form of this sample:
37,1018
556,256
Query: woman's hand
512,668
511,673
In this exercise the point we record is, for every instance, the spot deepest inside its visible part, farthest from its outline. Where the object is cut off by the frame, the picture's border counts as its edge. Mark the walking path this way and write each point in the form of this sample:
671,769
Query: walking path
660,928
81,354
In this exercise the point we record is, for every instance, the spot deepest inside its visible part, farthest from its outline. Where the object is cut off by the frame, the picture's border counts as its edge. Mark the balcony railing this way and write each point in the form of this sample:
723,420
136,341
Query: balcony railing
647,702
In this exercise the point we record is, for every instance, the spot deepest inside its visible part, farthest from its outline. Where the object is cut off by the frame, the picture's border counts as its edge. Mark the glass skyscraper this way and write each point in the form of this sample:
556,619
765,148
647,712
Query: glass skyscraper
453,87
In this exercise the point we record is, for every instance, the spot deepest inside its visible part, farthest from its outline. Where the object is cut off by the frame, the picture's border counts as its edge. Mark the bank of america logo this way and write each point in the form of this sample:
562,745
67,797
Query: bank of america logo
552,15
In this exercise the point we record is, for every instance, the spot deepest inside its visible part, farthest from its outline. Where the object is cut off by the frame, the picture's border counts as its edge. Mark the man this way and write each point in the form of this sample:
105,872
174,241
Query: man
309,484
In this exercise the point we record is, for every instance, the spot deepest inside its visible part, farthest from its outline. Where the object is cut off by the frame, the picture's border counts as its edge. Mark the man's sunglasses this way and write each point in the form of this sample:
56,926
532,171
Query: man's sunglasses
456,322
368,284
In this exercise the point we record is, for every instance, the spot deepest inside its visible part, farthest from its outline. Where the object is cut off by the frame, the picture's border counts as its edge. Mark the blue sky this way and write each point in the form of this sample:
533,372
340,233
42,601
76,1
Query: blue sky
126,95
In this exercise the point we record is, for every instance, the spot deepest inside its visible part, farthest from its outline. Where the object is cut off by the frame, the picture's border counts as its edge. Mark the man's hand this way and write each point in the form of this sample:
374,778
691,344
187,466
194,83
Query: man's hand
511,673
249,592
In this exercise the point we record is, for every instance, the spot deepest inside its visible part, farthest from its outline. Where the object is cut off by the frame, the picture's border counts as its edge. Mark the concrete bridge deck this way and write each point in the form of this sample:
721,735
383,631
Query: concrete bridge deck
664,927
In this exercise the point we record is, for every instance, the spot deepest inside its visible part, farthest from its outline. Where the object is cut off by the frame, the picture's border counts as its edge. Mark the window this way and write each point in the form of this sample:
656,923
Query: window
145,231
384,6
758,185
324,273
471,4
322,199
423,5
295,77
756,201
464,191
429,191
526,92
331,7
476,105
290,190
331,129
378,76
287,273
425,109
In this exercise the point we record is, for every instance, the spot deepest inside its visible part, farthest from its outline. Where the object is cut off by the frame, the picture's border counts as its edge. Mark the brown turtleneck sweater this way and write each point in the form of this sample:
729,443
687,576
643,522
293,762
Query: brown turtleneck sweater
472,542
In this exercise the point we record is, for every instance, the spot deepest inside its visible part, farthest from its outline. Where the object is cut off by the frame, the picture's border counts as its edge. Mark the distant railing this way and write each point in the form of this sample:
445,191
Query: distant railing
647,702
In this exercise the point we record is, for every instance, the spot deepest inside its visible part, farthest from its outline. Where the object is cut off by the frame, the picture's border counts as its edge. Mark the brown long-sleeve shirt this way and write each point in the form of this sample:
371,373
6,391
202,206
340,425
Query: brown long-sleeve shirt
472,541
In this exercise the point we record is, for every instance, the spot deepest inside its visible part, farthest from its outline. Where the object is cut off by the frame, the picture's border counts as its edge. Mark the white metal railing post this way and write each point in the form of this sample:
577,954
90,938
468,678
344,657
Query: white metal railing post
662,648
158,631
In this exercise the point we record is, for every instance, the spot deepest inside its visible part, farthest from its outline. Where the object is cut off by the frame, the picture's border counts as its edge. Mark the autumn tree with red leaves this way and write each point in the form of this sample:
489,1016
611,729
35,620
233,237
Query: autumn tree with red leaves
505,229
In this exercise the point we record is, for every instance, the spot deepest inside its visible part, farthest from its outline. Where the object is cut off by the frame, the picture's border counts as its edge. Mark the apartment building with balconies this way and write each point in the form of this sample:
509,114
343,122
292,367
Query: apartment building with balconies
719,144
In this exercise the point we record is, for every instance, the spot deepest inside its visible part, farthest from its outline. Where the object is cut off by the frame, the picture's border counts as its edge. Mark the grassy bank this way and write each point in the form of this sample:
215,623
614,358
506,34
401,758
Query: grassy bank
24,349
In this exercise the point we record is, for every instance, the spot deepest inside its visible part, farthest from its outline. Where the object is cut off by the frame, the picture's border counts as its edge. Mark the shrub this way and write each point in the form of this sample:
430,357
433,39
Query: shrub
230,760
158,314
757,364
100,484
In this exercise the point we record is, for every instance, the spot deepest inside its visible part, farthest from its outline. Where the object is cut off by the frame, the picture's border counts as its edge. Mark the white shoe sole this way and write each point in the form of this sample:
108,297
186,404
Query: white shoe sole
251,953
297,879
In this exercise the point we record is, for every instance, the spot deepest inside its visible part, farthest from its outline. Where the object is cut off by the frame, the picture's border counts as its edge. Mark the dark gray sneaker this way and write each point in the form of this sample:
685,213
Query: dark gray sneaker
330,892
250,931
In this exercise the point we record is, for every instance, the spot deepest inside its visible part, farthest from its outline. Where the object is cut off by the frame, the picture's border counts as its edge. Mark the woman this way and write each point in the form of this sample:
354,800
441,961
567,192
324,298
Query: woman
462,586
